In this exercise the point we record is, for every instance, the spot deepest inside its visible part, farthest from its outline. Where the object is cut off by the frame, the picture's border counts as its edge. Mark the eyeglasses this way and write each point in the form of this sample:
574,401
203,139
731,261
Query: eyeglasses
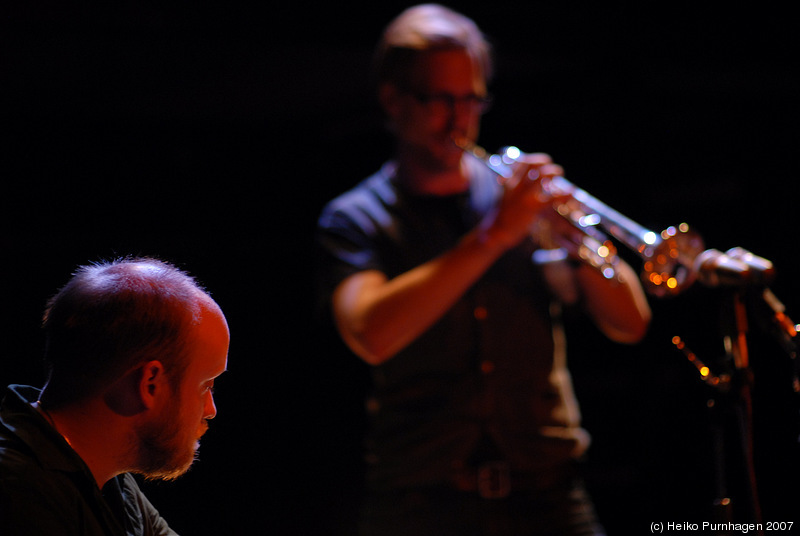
443,103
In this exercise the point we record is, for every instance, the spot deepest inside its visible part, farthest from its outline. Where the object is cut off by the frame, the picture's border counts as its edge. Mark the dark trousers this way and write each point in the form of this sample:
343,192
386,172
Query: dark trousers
564,509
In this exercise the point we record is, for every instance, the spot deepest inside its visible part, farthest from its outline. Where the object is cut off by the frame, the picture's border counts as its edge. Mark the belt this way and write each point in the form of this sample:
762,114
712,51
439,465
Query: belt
491,480
495,480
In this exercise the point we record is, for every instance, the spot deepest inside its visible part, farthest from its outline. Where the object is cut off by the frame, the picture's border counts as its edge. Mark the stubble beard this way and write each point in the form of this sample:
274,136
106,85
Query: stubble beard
162,450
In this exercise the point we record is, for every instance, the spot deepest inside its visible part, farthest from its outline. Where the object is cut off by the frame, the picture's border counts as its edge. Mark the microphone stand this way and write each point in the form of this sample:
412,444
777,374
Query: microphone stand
740,404
739,273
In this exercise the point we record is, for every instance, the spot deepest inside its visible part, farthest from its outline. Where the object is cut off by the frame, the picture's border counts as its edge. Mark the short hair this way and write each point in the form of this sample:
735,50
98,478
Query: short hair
112,316
426,28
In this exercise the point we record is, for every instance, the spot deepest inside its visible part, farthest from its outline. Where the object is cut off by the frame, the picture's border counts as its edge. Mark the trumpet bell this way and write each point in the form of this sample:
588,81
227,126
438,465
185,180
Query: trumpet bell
668,267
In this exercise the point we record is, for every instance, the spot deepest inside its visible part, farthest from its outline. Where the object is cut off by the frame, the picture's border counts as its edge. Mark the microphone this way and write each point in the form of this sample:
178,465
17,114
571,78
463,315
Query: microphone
735,267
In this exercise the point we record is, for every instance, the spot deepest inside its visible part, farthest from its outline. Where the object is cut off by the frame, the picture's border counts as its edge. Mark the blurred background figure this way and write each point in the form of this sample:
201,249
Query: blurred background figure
429,268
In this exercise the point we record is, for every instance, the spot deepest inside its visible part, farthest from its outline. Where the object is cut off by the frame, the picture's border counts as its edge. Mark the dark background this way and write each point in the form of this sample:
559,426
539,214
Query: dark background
211,134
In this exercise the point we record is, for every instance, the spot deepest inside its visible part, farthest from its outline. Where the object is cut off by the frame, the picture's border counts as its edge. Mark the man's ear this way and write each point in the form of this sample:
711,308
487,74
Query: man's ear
136,390
152,383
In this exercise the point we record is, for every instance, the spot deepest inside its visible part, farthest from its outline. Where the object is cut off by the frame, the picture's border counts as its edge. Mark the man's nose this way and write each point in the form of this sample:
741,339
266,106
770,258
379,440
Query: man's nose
211,407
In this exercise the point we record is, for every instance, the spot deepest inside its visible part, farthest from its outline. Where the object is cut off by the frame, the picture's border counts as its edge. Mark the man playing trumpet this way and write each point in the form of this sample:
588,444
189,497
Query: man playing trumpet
429,268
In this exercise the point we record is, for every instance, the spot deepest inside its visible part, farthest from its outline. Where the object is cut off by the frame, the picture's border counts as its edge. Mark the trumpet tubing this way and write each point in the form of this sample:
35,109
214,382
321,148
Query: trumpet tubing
669,256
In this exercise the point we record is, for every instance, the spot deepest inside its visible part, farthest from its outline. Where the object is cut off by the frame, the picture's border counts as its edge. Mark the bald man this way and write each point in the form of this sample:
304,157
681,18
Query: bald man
133,348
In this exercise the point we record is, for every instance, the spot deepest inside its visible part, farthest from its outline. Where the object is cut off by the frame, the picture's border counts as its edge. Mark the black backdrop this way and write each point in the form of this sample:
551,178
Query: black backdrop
211,134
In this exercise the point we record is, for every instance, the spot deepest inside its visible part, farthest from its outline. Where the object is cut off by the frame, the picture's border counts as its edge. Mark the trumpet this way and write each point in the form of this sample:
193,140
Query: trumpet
669,256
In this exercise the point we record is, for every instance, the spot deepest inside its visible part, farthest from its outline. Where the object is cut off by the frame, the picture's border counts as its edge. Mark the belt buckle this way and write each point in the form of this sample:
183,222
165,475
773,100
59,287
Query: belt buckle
494,480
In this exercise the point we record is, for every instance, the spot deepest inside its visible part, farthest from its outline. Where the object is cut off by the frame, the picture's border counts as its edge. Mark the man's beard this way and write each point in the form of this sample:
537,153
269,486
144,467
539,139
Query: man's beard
163,451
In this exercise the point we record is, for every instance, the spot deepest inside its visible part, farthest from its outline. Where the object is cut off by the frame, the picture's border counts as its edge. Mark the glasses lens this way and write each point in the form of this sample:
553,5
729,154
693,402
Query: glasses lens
444,103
